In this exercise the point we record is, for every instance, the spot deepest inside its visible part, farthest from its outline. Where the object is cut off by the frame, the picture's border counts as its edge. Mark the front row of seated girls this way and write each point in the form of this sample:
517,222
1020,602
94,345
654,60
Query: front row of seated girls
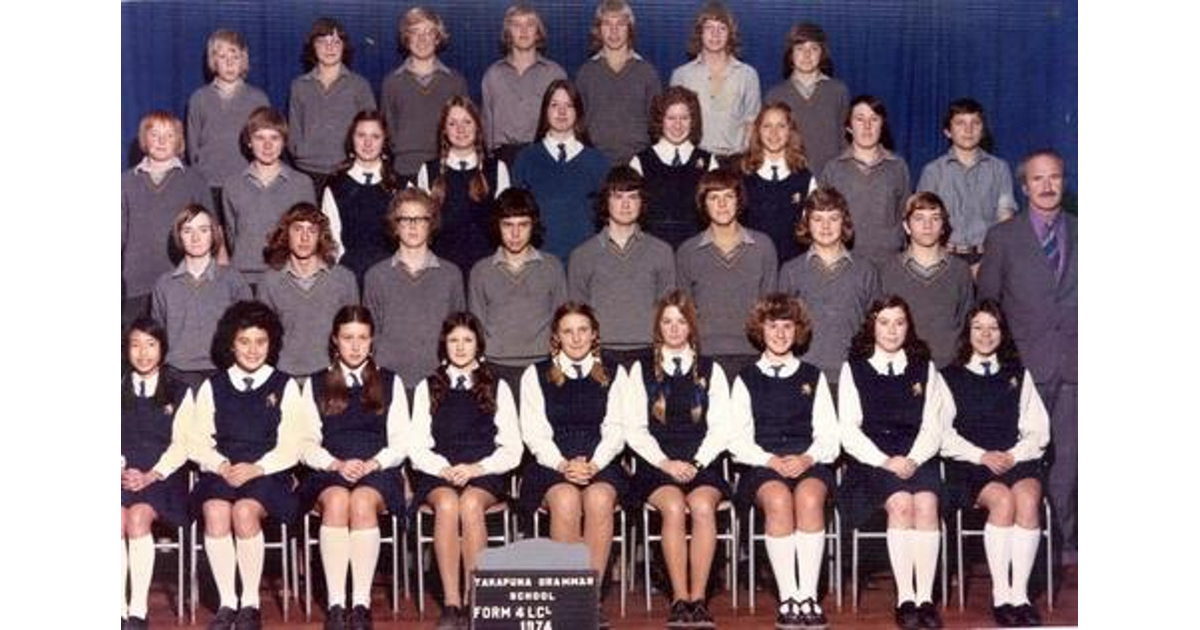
249,424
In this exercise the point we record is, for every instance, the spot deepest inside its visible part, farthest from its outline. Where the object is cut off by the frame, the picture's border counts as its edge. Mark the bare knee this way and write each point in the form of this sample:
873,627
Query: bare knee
364,508
776,503
702,508
1000,503
599,501
335,506
1027,495
673,510
472,506
925,510
899,508
564,503
247,518
218,517
141,517
444,504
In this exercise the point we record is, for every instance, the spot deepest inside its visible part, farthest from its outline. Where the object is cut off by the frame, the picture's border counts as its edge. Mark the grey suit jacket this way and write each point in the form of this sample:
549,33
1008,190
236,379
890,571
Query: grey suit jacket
1042,313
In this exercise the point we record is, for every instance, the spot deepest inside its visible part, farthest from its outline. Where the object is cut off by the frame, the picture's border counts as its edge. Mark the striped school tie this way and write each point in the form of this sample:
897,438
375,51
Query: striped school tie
1050,247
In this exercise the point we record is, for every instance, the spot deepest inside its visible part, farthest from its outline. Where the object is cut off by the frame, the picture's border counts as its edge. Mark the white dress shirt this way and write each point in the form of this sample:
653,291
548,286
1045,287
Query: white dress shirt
508,433
826,443
637,415
466,163
1033,423
571,145
539,434
850,415
666,154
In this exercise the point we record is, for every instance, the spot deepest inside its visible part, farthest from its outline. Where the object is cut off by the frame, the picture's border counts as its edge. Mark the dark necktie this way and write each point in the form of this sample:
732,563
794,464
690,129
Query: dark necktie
462,165
677,161
987,368
367,177
1050,247
142,389
562,153
678,366
354,382
774,172
891,370
460,382
578,370
249,381
777,369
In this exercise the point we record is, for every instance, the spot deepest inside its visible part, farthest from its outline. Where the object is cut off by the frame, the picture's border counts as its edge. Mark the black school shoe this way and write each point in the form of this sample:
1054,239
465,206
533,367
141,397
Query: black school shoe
135,623
701,618
359,618
224,619
906,616
1005,616
680,615
448,620
787,617
335,618
811,615
248,618
928,617
1027,615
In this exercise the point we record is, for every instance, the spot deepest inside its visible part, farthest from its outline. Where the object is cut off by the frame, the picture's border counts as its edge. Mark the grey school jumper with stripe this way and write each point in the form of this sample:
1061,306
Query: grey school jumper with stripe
408,311
623,285
307,314
516,307
726,287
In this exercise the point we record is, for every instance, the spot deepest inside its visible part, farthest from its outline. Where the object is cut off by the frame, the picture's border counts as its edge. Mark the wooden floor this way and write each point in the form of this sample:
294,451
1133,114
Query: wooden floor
875,608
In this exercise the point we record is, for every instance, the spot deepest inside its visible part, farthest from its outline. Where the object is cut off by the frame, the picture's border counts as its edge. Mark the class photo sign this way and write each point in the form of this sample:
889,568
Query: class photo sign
533,600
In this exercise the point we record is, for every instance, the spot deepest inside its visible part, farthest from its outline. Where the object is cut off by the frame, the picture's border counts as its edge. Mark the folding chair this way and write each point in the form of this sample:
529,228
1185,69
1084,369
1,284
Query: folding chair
164,543
1047,533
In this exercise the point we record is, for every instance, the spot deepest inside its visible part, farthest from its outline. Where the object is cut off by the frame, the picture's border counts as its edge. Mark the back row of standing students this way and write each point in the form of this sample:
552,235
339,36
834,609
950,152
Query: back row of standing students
616,87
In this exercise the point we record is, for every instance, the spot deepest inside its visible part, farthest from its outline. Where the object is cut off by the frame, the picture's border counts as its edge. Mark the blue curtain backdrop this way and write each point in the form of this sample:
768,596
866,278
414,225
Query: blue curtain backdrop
1019,58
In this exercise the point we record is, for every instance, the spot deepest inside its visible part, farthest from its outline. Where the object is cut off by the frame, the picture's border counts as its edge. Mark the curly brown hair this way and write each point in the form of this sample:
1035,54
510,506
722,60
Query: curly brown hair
774,307
674,95
277,250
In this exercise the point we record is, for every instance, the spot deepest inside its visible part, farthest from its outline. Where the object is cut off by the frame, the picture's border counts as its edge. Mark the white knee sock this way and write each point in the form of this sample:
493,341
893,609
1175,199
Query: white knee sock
925,558
364,555
810,549
222,560
900,553
250,553
335,557
141,567
781,551
1024,552
124,578
997,545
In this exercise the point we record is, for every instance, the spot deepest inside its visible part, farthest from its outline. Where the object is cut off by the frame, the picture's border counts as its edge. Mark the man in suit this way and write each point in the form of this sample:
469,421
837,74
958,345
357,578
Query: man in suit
1030,264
